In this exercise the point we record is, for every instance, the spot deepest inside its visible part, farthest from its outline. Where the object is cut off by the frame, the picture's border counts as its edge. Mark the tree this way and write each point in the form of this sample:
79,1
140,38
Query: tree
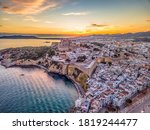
67,60
51,52
93,58
117,108
81,58
109,63
39,62
96,49
129,101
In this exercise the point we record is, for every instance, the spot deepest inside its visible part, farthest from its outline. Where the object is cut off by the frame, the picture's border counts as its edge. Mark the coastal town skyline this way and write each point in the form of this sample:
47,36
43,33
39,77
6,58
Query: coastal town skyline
75,56
70,17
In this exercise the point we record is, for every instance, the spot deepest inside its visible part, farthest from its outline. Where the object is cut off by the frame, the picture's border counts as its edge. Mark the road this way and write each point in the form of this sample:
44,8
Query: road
143,107
141,104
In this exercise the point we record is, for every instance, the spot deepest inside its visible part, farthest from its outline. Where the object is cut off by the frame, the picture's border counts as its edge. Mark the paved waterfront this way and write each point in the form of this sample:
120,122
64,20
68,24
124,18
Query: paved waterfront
141,104
143,107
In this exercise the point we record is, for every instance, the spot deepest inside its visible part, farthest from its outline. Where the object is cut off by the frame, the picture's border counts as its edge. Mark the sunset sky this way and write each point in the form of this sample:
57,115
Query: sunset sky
74,16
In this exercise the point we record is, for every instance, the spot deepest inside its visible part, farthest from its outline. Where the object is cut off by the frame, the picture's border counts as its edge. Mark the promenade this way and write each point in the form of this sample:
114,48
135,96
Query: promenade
138,105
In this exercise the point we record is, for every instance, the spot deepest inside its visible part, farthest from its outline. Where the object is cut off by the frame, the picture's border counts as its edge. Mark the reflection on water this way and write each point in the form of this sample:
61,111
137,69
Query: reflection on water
33,90
11,43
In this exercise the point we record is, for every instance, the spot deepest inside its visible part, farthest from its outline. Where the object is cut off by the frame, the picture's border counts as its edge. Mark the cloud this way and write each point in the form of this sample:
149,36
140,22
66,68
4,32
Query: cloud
31,18
28,6
48,22
147,20
75,14
1,25
5,19
98,25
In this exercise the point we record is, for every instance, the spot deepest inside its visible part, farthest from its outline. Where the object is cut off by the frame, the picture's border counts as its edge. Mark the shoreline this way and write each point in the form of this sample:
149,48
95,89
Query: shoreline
79,89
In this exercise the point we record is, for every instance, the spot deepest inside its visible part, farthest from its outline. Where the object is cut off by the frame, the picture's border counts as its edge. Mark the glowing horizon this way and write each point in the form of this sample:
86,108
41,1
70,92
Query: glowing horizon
74,17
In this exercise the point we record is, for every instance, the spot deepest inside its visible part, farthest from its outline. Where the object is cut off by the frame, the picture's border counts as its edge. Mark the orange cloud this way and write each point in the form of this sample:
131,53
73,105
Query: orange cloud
98,25
148,20
28,6
31,18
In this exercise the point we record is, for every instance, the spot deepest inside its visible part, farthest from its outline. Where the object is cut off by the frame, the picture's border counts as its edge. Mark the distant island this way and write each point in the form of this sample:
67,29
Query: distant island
125,36
23,37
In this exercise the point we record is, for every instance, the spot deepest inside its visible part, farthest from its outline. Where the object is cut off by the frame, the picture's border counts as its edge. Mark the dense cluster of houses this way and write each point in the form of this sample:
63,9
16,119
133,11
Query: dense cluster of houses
119,81
117,69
